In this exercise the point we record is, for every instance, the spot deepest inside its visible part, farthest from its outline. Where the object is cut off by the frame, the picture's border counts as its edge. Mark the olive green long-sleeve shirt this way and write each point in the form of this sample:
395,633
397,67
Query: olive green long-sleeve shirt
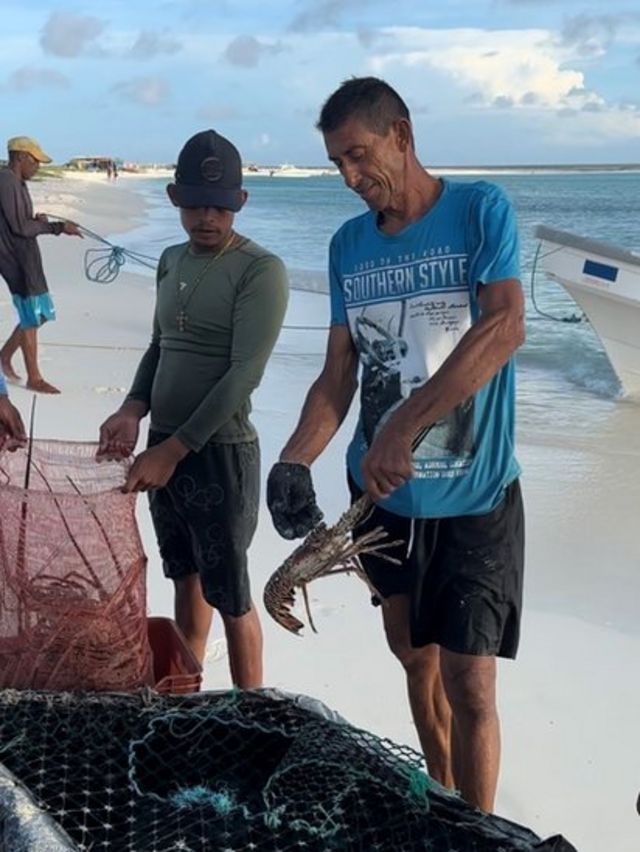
198,381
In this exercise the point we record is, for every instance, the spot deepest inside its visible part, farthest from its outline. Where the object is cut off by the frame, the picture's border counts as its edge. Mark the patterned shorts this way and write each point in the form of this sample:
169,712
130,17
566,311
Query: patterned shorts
205,519
33,311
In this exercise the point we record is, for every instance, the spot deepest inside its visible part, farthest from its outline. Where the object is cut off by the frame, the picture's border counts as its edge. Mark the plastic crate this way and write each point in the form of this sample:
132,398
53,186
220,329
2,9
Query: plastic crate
175,667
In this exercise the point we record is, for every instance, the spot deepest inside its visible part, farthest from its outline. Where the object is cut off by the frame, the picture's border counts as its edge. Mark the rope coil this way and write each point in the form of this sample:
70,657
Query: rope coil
103,265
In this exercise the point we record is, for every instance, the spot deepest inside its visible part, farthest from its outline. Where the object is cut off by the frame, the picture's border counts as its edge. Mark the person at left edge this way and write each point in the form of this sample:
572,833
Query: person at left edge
20,259
12,432
220,303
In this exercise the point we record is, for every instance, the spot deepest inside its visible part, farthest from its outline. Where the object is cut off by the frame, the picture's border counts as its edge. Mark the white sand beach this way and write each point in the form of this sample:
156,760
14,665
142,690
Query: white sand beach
570,704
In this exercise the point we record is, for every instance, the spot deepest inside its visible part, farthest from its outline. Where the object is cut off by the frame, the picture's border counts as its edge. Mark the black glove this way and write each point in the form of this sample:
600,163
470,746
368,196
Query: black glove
292,500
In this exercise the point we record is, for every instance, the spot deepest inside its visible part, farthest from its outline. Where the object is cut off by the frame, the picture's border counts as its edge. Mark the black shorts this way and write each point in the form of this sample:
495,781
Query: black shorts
205,518
463,575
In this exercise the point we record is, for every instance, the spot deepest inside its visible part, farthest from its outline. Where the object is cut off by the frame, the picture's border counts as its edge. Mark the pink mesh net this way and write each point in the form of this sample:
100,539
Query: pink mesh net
72,573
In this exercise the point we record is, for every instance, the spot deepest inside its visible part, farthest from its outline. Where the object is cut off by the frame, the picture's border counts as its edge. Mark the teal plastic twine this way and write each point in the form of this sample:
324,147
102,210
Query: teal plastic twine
103,265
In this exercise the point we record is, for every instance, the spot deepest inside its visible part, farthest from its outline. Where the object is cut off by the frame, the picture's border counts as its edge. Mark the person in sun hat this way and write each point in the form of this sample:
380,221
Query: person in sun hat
21,261
220,303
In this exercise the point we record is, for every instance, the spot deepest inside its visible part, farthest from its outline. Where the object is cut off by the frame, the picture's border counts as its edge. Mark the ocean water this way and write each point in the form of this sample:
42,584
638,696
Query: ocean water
562,366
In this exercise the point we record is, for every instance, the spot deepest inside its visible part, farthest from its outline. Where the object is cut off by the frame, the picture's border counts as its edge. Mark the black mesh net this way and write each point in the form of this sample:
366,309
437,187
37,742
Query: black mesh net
233,771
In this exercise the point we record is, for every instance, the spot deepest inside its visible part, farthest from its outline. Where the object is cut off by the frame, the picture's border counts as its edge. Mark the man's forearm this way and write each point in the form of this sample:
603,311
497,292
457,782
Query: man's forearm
322,414
135,407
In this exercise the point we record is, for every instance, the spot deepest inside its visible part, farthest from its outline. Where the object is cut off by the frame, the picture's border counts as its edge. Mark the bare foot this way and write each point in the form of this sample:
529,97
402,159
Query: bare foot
42,386
9,373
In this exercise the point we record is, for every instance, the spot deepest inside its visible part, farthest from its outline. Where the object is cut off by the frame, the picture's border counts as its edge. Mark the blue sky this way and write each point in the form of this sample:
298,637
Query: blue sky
487,81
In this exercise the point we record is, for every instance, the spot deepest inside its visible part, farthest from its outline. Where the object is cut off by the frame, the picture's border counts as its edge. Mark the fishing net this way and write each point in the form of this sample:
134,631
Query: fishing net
72,572
222,772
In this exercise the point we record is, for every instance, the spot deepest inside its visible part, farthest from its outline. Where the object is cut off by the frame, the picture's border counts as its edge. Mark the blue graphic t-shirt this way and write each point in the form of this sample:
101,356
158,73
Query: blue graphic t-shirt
408,299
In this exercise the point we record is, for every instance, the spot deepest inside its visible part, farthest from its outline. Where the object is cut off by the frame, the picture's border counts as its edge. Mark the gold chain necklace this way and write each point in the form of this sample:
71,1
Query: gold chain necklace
181,286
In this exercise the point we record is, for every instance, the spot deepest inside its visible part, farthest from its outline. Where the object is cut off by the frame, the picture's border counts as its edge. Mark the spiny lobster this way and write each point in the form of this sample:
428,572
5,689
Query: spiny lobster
326,551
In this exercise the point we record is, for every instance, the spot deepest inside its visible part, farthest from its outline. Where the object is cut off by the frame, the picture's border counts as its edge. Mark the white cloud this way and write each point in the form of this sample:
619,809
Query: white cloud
526,72
247,51
517,67
320,14
28,77
68,35
146,91
593,35
150,44
590,127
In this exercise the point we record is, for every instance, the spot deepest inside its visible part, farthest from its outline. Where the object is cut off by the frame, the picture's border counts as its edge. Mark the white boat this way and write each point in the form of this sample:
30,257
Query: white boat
256,171
286,170
605,282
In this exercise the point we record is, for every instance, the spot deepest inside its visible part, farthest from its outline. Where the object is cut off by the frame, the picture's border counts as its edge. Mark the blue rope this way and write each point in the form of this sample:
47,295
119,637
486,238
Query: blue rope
103,265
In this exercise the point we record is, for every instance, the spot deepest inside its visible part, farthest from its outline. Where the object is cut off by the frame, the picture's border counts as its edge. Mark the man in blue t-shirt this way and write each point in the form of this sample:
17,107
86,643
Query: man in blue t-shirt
426,301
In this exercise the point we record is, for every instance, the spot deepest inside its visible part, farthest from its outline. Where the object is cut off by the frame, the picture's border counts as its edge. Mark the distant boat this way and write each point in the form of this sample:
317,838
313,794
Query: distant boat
605,282
288,171
255,171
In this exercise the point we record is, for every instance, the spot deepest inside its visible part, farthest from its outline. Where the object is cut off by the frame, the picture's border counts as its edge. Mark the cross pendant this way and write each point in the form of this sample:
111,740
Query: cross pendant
181,319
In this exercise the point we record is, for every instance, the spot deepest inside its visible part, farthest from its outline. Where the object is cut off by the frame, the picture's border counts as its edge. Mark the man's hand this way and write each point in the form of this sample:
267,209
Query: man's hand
387,465
72,230
292,500
154,467
118,435
12,431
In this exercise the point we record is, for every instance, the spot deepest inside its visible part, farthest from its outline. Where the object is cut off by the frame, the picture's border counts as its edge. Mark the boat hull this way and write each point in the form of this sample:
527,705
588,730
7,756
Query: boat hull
604,280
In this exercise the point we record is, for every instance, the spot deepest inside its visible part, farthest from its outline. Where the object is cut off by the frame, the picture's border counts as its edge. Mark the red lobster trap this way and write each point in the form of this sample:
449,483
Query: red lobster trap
72,573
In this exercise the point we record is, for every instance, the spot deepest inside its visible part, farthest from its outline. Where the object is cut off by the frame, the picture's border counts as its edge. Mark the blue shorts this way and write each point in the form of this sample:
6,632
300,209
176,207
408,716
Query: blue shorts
33,311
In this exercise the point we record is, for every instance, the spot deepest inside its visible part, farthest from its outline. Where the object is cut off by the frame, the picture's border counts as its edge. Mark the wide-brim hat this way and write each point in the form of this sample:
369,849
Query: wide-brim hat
27,145
209,173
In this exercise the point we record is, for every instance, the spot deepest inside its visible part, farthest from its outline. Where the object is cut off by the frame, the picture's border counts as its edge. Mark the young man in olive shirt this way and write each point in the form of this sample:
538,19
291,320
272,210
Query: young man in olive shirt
220,304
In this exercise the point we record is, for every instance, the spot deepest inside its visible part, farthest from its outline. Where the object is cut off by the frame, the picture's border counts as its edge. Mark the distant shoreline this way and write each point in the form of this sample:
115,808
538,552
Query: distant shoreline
143,170
537,169
524,169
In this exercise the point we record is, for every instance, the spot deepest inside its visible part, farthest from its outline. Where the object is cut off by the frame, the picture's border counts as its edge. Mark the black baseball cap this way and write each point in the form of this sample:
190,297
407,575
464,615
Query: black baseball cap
209,173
